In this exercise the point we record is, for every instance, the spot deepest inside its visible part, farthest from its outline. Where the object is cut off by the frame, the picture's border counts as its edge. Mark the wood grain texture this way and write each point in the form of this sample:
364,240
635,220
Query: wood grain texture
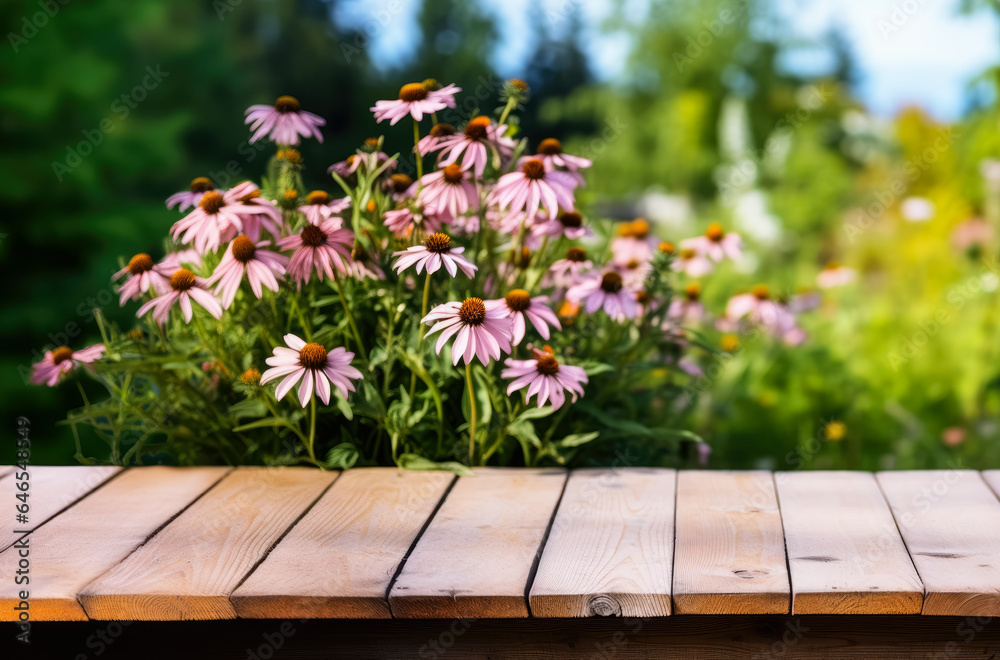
95,534
730,547
845,554
189,569
6,470
476,556
50,490
950,521
610,549
338,561
992,478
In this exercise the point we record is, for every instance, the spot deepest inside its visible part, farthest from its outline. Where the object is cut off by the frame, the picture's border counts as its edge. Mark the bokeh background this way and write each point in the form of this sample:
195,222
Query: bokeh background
856,131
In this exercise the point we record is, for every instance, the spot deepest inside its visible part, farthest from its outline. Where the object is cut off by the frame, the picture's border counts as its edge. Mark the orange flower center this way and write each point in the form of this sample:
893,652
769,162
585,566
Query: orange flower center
547,365
253,194
442,130
211,202
476,128
182,280
688,253
611,282
761,292
140,263
692,291
576,254
472,311
640,229
412,92
318,197
571,219
533,169
400,182
250,377
313,236
243,249
61,354
201,184
438,242
667,247
453,173
715,232
550,147
287,104
291,155
518,300
312,356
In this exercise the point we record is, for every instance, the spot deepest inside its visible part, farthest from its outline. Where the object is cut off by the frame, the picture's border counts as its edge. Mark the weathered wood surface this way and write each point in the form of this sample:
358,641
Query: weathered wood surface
6,470
339,560
845,555
189,569
95,535
50,490
950,521
992,478
610,549
476,557
730,547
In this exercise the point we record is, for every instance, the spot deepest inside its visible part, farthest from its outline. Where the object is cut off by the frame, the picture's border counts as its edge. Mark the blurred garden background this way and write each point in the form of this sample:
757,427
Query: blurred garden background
858,133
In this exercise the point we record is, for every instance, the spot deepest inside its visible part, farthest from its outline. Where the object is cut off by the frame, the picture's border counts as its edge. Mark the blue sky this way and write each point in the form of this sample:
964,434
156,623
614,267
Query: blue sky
908,51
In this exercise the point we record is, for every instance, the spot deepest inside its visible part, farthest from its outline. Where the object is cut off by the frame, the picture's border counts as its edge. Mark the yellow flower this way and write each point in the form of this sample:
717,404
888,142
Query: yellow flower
834,431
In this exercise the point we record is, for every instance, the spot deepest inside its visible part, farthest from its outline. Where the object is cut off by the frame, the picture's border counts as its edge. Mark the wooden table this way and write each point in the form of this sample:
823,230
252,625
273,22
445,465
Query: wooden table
590,563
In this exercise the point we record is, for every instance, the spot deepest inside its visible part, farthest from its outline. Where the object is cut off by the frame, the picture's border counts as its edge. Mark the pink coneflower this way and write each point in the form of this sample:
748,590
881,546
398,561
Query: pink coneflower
187,198
605,291
974,232
400,185
546,378
834,275
364,266
449,190
184,287
551,154
256,213
143,275
402,222
567,271
567,223
60,361
243,257
689,308
634,272
715,244
690,262
319,206
416,100
435,251
314,366
179,259
432,141
521,305
477,141
532,187
217,216
480,329
345,168
634,242
758,307
318,247
464,225
283,122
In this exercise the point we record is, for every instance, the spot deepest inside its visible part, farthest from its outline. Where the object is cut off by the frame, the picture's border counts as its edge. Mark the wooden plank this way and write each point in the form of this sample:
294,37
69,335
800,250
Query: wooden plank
476,556
6,470
189,569
845,555
950,521
992,478
338,561
50,490
730,548
610,549
91,537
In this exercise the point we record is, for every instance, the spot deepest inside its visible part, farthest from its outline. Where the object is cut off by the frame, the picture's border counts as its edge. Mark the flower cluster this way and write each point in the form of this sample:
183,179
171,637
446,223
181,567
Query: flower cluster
525,291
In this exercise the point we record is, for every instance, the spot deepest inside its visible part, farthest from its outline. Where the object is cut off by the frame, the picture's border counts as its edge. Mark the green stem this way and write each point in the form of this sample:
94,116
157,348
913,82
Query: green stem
511,104
350,317
312,429
421,331
302,319
416,154
472,412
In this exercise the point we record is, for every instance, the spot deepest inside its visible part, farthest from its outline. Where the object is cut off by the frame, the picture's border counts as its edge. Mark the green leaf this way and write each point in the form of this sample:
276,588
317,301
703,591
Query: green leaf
248,408
262,423
413,363
342,456
525,431
624,425
415,462
537,413
593,368
577,439
342,405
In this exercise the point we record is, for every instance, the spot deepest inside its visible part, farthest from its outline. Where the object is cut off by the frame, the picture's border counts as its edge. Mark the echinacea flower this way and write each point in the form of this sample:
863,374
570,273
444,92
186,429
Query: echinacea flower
972,233
283,122
605,291
321,247
364,265
834,275
184,286
634,242
345,168
416,100
434,252
481,329
689,308
432,141
758,307
634,273
186,198
256,213
243,257
312,364
568,224
476,141
691,263
401,186
143,275
319,206
521,305
449,190
219,217
545,378
532,187
60,361
402,222
551,154
716,244
566,272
